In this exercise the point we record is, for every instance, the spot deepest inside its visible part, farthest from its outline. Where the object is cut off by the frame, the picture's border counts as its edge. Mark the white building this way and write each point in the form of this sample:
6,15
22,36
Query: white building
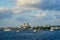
25,25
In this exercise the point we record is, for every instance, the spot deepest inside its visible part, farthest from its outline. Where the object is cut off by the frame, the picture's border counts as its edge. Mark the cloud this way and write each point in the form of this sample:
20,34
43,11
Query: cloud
49,5
39,15
33,11
16,10
27,2
43,15
25,5
21,10
57,16
40,4
2,9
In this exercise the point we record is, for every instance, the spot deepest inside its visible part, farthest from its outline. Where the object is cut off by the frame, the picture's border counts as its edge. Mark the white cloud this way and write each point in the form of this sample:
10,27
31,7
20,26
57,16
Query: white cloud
4,9
27,2
22,9
24,5
40,15
16,10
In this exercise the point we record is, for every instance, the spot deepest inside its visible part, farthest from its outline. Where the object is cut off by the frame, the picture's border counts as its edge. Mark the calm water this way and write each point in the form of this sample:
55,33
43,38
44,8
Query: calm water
30,35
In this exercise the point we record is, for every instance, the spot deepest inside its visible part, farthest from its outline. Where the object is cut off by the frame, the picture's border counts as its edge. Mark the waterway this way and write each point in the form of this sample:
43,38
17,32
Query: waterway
30,35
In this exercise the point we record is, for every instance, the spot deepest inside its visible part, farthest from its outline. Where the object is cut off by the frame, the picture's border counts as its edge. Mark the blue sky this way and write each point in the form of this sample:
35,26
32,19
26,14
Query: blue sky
36,12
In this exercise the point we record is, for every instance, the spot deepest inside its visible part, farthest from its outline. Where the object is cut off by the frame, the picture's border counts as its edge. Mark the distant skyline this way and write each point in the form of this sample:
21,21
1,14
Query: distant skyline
36,12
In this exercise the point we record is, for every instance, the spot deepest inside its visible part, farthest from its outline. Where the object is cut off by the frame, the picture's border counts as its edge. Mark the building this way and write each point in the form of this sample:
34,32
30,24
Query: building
26,25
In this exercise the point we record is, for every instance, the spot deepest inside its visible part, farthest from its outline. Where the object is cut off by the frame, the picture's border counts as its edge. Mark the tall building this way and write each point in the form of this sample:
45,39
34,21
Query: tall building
26,24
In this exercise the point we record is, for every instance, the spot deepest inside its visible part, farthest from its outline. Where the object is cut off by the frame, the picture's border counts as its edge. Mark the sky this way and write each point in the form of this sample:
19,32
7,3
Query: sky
13,13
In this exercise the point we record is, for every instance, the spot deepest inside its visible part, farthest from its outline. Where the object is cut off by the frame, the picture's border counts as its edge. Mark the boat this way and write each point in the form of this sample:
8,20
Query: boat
17,31
36,30
7,29
52,29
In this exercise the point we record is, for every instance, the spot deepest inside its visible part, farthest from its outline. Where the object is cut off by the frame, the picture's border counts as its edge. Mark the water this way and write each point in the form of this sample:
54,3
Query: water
30,35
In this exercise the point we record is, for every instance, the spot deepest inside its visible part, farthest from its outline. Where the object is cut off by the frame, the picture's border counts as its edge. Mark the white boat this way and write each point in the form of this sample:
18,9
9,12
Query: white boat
51,30
35,30
7,29
17,31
